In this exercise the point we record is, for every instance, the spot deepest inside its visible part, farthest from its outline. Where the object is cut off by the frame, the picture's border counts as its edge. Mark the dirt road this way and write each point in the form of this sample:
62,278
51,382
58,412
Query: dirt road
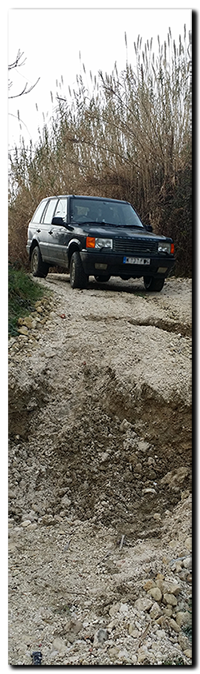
100,475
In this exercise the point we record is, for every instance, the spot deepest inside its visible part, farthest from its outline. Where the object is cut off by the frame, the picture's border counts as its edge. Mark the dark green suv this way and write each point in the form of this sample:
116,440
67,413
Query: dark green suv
98,237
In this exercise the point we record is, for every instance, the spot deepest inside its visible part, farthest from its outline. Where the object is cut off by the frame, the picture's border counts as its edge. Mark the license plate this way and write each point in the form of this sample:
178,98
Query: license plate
136,260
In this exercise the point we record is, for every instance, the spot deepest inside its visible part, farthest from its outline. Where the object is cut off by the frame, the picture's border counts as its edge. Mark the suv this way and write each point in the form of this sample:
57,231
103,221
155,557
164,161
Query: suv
98,237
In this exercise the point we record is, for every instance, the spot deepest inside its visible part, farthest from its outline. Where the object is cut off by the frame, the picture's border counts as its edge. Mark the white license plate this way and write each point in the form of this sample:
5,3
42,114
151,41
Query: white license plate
136,260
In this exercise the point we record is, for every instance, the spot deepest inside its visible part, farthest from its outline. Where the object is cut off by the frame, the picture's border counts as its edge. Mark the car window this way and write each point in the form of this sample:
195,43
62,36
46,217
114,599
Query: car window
61,209
39,211
49,212
104,211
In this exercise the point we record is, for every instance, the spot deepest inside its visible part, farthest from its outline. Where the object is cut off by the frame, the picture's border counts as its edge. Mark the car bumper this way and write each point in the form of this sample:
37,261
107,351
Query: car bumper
96,264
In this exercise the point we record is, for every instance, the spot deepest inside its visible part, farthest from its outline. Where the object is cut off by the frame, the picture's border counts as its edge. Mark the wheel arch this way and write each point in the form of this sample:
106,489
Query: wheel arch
74,245
33,245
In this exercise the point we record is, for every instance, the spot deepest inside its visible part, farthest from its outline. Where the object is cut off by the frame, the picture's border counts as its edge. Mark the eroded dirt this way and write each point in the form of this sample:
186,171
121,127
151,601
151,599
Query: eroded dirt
100,443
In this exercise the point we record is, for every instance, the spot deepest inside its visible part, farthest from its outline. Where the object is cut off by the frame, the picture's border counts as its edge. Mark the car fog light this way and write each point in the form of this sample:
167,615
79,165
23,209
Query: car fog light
99,265
162,270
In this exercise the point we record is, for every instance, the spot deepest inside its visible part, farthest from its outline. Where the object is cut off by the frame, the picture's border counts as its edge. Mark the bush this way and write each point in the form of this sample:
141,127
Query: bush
22,293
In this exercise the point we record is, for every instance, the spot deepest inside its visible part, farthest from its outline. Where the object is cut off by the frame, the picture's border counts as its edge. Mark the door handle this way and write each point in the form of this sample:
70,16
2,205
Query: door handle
38,230
51,231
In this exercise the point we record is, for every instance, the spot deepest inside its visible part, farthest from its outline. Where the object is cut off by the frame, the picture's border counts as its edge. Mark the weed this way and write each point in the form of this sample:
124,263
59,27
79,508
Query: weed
22,293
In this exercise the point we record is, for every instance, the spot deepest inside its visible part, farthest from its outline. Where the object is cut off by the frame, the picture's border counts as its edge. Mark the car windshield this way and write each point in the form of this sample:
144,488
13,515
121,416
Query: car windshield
104,212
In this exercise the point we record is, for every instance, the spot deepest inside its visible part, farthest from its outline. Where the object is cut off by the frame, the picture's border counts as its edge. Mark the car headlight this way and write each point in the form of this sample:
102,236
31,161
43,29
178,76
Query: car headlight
93,242
164,247
103,243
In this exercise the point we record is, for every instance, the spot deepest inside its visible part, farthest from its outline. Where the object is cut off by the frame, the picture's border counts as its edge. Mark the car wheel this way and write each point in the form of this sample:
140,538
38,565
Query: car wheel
38,267
102,279
155,284
78,278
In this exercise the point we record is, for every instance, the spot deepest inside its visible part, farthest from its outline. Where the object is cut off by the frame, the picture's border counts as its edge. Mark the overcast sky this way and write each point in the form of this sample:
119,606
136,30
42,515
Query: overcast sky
52,40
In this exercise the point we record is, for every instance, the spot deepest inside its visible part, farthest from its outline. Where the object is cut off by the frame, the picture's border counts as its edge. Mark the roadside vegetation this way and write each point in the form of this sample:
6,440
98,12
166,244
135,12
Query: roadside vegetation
22,294
127,136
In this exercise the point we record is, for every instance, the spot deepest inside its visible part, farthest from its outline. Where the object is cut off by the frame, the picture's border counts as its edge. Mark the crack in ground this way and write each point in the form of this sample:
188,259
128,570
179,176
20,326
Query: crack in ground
177,327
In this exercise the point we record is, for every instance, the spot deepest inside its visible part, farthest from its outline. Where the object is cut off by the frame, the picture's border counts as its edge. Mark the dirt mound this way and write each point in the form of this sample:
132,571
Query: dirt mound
100,421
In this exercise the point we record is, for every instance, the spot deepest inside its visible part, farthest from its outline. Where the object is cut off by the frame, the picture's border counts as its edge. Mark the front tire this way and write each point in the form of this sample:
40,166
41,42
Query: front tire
38,267
153,284
78,278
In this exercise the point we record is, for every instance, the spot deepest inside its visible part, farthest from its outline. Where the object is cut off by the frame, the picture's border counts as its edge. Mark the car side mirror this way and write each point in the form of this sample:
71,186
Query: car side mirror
148,228
58,221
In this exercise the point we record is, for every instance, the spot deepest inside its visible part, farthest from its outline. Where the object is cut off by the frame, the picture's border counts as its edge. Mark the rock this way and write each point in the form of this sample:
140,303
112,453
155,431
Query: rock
155,611
133,631
142,654
60,646
187,563
157,516
156,593
143,604
183,618
66,501
168,611
114,609
72,628
26,523
188,543
148,585
113,652
170,587
188,653
23,330
169,599
173,624
149,490
100,637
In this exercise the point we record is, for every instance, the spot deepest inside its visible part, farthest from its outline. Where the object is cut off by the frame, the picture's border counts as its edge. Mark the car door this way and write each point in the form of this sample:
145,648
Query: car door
59,233
47,240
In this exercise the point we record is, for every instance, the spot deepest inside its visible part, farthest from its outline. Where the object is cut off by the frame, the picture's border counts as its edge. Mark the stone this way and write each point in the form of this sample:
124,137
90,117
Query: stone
188,543
156,593
143,604
157,516
25,523
169,599
23,330
114,609
188,653
142,654
60,646
155,611
66,501
173,624
100,637
72,628
168,611
171,587
187,562
149,490
148,585
183,618
133,631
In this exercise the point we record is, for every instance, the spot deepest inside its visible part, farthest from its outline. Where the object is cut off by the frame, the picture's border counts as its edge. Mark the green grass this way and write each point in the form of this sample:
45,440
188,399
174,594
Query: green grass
22,294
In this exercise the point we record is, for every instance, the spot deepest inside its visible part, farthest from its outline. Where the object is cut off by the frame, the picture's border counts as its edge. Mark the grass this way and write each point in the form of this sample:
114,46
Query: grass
22,294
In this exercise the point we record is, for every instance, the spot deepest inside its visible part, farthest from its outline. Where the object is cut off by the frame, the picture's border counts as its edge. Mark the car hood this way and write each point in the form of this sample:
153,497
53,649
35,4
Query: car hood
113,231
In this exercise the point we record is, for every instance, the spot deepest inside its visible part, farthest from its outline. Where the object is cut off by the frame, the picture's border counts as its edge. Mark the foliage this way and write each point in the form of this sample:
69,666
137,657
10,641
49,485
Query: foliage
22,293
128,138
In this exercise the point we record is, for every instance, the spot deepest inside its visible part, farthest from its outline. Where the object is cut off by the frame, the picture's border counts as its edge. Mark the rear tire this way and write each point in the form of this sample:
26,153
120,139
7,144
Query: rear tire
154,284
78,278
38,267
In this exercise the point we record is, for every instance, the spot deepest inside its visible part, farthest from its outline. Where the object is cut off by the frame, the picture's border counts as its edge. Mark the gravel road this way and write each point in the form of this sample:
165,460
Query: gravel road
100,476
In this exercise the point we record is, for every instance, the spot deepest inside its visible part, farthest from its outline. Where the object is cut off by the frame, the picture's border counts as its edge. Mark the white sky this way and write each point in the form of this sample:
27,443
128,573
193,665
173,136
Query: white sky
51,40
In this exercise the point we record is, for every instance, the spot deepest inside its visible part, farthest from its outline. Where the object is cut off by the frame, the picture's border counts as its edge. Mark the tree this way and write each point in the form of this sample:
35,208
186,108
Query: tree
16,64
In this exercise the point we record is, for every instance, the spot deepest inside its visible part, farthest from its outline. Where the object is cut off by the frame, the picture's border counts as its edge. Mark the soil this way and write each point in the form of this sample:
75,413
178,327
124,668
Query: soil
99,470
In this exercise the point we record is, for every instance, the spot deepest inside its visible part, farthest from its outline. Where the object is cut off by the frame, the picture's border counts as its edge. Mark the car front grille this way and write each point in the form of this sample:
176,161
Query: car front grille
130,247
